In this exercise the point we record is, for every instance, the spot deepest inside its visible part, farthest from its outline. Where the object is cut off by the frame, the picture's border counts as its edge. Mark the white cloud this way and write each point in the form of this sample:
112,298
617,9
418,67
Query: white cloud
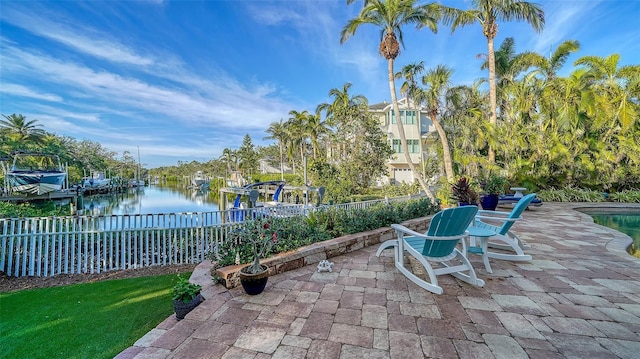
562,20
215,102
99,45
273,15
23,91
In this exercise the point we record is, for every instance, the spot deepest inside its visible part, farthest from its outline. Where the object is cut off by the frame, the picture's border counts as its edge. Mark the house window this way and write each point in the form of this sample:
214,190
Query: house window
397,146
408,117
414,146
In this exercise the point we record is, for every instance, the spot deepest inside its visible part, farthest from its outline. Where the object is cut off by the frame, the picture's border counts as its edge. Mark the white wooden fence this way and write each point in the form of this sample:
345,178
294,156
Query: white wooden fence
47,246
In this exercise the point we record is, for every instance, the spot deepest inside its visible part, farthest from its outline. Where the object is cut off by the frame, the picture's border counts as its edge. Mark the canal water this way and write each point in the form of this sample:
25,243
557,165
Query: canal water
153,199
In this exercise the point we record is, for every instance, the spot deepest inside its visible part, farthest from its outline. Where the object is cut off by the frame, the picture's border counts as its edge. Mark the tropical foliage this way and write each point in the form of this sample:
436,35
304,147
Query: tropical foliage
574,194
487,13
391,16
542,121
29,209
82,157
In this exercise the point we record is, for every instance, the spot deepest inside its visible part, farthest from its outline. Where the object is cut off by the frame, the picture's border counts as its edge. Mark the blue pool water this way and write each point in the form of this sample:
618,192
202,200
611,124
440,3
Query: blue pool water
627,222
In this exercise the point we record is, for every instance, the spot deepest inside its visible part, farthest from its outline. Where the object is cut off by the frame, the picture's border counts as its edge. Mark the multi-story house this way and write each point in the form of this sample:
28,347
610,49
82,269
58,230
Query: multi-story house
418,130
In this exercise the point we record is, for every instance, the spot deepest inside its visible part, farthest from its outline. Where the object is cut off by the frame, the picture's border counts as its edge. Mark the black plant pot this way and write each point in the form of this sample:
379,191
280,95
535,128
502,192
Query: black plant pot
489,202
181,308
254,283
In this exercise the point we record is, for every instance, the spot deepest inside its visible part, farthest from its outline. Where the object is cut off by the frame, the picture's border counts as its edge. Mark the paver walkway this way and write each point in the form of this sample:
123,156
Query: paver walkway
578,298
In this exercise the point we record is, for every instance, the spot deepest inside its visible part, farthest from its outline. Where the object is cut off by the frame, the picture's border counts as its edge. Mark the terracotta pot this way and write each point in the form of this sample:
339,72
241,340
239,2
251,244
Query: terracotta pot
254,283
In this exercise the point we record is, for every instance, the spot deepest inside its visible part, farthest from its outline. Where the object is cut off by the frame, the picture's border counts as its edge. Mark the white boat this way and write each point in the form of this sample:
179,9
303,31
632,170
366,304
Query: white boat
199,180
136,183
262,199
36,173
96,181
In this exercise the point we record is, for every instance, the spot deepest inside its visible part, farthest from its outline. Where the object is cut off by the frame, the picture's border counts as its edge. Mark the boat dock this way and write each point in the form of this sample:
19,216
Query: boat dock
57,195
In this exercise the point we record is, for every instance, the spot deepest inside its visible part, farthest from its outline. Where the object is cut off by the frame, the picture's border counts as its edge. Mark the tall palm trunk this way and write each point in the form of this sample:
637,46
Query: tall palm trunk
493,102
281,160
403,137
446,151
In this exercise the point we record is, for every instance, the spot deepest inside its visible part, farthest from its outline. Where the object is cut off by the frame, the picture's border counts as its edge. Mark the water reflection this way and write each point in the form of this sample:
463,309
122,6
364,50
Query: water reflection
150,200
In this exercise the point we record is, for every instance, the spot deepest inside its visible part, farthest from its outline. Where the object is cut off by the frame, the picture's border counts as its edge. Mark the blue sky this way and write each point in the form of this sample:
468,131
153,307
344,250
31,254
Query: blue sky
185,79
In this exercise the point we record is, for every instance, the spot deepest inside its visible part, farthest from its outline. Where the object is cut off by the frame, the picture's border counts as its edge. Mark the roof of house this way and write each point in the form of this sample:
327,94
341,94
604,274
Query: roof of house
379,106
383,105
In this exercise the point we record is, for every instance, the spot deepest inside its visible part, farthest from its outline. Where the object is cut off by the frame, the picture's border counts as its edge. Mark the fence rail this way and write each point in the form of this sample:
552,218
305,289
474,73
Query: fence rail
47,246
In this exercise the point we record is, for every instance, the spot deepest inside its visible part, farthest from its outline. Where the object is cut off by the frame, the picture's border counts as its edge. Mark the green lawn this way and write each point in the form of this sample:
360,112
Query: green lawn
93,320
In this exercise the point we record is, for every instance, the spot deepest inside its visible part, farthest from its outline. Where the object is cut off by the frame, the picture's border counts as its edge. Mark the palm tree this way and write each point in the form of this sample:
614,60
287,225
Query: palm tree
343,113
465,106
22,130
340,109
410,86
487,13
509,65
316,129
549,85
412,91
298,131
437,82
608,81
390,16
549,67
278,132
229,155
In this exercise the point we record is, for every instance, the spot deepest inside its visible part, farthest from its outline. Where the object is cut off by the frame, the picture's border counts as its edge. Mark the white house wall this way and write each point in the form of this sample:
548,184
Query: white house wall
398,167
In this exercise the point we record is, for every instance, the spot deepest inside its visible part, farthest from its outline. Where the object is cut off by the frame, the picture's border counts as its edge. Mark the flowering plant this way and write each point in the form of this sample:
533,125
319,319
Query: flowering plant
260,235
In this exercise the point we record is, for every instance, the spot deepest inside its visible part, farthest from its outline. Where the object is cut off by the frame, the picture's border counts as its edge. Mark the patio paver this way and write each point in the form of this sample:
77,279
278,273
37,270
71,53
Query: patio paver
578,297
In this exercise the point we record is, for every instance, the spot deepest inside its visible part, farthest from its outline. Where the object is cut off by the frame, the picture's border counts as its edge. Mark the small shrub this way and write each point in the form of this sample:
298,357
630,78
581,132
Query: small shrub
630,196
185,290
32,209
575,194
323,224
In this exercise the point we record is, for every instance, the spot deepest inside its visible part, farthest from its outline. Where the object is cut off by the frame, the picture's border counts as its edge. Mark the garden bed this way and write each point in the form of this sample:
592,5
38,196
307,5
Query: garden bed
317,252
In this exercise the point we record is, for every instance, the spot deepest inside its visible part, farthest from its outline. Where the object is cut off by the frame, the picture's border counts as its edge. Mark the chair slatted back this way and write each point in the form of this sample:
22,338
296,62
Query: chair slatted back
449,222
522,204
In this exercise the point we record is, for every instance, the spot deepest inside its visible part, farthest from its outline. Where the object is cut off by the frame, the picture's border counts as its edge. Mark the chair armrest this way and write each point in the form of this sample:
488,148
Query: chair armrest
404,230
500,219
482,212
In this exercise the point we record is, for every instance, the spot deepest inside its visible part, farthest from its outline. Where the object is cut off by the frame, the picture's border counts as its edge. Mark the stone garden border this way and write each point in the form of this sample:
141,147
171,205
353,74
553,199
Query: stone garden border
314,253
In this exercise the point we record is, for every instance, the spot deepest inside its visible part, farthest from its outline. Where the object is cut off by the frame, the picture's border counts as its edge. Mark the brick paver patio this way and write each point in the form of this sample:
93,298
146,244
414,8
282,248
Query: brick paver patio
578,298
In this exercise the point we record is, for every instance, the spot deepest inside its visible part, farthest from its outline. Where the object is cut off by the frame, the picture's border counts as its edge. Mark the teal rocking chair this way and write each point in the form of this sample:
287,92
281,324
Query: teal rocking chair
500,223
437,245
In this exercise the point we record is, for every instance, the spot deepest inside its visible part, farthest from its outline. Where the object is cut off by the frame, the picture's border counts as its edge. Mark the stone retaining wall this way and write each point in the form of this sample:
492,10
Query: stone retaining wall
317,252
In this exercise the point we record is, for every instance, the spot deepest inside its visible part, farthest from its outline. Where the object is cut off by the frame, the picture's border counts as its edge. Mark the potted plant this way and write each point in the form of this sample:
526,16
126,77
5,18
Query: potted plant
186,296
492,186
463,193
260,235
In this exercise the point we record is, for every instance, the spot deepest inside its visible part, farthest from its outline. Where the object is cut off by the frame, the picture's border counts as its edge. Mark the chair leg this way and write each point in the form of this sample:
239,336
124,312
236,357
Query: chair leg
470,278
508,244
387,244
431,286
519,241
